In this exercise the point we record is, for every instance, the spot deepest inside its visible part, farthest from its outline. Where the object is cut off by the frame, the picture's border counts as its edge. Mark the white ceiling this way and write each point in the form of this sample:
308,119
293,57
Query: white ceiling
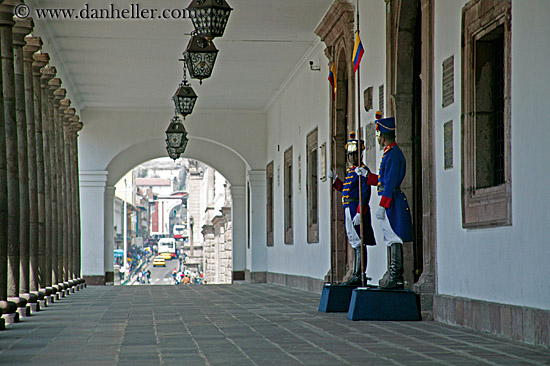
134,63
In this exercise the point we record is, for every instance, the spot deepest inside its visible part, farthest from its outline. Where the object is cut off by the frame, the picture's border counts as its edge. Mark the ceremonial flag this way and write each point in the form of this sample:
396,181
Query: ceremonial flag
332,80
358,52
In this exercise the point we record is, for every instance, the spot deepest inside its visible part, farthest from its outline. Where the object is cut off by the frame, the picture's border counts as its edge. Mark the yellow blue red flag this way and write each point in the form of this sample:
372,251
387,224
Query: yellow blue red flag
358,52
332,80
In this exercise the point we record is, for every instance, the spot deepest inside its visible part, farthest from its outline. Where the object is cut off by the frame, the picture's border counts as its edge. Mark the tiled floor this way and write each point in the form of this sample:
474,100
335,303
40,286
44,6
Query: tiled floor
240,324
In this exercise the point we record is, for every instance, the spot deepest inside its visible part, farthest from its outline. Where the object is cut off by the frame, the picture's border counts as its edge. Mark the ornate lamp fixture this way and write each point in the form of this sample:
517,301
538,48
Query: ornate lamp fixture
200,57
172,153
209,17
176,138
185,97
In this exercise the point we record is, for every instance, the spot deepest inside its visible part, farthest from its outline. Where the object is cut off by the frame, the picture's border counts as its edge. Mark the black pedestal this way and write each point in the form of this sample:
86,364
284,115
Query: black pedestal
381,304
335,298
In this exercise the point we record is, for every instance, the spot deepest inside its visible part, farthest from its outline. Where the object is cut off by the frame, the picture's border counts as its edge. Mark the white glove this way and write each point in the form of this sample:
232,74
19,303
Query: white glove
381,213
356,220
361,171
332,175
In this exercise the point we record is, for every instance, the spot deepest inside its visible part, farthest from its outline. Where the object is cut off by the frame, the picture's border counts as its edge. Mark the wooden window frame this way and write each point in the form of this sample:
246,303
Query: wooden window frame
269,203
288,198
491,206
312,187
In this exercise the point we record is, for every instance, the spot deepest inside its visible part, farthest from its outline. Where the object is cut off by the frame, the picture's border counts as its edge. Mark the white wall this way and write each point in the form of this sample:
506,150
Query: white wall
509,264
302,106
299,109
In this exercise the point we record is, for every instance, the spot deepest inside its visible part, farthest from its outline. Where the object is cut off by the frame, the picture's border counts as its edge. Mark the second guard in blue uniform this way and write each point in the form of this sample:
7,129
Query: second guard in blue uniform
350,202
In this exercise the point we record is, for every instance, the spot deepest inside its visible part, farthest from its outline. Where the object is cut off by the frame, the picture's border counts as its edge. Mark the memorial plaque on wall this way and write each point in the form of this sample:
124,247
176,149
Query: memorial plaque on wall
323,159
448,144
448,79
381,99
367,98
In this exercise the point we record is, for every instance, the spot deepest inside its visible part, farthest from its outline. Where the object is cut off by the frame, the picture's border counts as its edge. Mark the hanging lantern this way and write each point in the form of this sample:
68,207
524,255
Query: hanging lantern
185,97
200,57
209,17
172,153
176,135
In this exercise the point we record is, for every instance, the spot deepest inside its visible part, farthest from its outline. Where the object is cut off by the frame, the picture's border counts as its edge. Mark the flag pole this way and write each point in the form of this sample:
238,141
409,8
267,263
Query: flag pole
334,237
363,275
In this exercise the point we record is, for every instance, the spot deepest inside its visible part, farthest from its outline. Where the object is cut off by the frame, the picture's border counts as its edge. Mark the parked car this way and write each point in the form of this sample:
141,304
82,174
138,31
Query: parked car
159,261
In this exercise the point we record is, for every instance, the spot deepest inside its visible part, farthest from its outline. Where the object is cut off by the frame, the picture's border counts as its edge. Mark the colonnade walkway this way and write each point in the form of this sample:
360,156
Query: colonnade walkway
239,324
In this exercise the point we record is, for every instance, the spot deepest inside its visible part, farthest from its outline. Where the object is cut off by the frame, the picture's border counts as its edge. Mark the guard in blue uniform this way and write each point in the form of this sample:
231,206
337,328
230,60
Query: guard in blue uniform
350,202
393,212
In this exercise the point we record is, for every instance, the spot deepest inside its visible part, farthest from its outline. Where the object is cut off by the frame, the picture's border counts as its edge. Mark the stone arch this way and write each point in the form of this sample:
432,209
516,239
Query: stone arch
222,158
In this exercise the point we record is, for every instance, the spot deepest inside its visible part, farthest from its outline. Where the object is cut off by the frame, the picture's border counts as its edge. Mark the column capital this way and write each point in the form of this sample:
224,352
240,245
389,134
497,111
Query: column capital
21,29
63,104
41,59
48,73
67,117
76,124
6,13
57,91
32,45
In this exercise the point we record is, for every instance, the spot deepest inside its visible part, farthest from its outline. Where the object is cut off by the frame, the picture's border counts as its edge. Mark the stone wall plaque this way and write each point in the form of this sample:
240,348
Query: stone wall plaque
448,79
367,98
448,144
323,160
381,99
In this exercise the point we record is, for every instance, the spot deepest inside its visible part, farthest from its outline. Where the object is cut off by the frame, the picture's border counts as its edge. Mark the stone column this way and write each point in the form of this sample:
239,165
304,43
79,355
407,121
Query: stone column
6,307
228,242
40,61
21,29
193,205
92,200
57,233
239,232
109,234
76,126
61,184
68,247
32,45
208,252
59,109
10,115
258,246
48,73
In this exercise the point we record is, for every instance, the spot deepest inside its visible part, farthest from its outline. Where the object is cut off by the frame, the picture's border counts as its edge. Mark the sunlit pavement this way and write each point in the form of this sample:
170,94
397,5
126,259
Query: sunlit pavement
240,324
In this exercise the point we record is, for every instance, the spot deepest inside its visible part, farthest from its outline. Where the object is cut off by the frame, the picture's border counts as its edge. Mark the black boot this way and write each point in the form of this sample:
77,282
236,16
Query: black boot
355,279
396,267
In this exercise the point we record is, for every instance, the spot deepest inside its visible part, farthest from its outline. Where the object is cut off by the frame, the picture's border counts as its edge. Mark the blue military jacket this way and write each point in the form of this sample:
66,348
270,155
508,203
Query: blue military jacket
350,191
392,172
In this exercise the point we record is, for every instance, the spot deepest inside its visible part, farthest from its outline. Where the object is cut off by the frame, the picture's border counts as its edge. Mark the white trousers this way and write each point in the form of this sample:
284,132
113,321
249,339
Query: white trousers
390,237
354,239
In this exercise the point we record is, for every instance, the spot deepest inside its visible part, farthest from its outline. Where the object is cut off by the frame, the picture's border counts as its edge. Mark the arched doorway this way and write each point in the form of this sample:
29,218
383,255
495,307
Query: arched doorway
336,30
410,88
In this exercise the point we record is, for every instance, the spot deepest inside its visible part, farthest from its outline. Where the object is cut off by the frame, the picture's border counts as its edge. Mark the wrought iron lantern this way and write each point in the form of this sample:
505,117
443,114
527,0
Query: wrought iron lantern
176,135
172,153
209,17
200,57
185,97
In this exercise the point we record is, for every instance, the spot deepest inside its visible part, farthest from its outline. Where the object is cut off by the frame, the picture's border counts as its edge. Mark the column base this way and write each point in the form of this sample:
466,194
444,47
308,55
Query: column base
24,312
42,304
10,318
2,324
35,307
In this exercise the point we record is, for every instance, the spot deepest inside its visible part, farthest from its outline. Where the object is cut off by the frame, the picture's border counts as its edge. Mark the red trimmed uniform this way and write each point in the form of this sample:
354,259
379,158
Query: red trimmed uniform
350,202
